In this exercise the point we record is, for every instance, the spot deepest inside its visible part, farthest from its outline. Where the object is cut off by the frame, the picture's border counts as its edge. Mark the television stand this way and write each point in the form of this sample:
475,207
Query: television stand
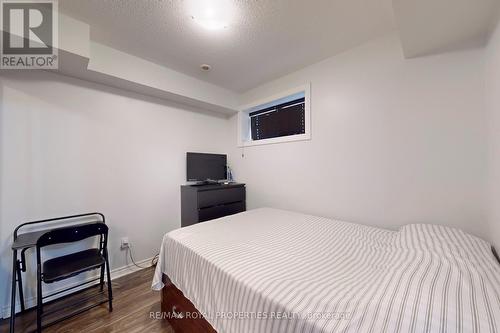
201,203
206,182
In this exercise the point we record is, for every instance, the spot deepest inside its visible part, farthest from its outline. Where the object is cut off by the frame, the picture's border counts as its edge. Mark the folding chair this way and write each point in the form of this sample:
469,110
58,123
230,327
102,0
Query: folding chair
64,267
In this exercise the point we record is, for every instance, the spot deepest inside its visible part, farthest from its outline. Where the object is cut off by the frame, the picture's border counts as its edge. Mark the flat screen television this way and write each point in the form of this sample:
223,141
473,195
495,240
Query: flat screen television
203,167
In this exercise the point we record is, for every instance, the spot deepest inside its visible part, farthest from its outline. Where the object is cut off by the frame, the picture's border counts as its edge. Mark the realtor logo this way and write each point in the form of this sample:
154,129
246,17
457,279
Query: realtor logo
29,34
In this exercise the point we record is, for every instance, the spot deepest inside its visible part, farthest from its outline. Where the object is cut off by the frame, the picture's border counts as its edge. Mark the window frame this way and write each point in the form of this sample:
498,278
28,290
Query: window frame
244,127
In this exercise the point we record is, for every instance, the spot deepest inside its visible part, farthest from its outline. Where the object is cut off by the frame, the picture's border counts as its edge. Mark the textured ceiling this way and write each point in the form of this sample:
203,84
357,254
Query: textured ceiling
265,39
435,26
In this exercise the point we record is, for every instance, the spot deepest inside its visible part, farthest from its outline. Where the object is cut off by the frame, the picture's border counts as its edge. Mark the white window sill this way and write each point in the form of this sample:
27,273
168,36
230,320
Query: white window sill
289,138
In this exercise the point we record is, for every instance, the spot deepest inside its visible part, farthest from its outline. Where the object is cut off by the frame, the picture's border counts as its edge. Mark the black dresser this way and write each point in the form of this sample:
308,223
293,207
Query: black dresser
201,203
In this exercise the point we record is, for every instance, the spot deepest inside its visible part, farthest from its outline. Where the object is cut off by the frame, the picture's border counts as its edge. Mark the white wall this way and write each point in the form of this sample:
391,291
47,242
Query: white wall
69,146
493,106
394,141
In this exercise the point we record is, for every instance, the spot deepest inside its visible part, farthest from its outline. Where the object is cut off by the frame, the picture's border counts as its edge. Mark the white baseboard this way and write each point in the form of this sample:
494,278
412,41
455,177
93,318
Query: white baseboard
115,273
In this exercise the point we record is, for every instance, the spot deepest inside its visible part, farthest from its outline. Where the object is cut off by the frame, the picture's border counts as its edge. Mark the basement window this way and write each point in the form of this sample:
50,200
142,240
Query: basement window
281,118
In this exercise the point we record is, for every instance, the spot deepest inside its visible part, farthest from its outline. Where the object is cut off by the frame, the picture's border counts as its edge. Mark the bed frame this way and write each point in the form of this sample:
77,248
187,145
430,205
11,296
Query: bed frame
495,254
180,313
175,307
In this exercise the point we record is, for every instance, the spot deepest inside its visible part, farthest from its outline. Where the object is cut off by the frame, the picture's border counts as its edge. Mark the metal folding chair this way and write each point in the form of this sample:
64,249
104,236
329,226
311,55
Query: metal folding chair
64,267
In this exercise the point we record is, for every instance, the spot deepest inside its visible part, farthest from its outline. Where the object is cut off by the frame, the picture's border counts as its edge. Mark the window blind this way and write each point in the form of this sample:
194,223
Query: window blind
279,120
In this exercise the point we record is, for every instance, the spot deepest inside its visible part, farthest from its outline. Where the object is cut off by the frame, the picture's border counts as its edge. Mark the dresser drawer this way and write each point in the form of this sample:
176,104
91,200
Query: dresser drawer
215,212
205,202
220,196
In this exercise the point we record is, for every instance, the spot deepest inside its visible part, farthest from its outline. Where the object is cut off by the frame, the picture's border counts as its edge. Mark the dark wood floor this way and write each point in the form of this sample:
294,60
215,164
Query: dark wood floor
133,301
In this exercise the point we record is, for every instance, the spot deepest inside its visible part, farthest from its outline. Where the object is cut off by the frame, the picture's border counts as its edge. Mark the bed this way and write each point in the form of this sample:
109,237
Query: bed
269,270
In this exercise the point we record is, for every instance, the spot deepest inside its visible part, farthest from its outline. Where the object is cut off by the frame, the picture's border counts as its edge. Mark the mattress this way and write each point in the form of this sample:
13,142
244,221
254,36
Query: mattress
269,270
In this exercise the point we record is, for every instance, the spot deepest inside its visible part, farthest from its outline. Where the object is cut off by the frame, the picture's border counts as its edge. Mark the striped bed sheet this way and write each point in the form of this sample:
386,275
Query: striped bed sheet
269,270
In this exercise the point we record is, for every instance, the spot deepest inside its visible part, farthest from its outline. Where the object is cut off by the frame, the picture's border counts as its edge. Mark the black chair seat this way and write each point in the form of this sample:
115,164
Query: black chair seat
72,264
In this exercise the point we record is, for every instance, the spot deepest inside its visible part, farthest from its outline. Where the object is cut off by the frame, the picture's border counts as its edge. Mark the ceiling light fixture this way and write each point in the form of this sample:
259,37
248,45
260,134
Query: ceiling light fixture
211,24
211,14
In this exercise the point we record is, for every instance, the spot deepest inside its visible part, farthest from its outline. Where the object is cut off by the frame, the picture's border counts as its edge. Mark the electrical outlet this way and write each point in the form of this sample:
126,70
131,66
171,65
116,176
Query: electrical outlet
124,244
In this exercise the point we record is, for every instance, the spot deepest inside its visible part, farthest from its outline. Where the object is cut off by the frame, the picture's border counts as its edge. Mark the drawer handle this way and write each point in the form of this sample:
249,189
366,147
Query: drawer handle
176,314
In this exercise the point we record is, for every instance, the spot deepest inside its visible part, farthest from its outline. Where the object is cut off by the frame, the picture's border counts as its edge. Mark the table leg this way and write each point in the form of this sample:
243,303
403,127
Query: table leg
13,296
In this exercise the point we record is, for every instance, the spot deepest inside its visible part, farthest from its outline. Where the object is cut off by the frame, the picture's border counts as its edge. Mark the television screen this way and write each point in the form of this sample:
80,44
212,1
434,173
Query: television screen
202,167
